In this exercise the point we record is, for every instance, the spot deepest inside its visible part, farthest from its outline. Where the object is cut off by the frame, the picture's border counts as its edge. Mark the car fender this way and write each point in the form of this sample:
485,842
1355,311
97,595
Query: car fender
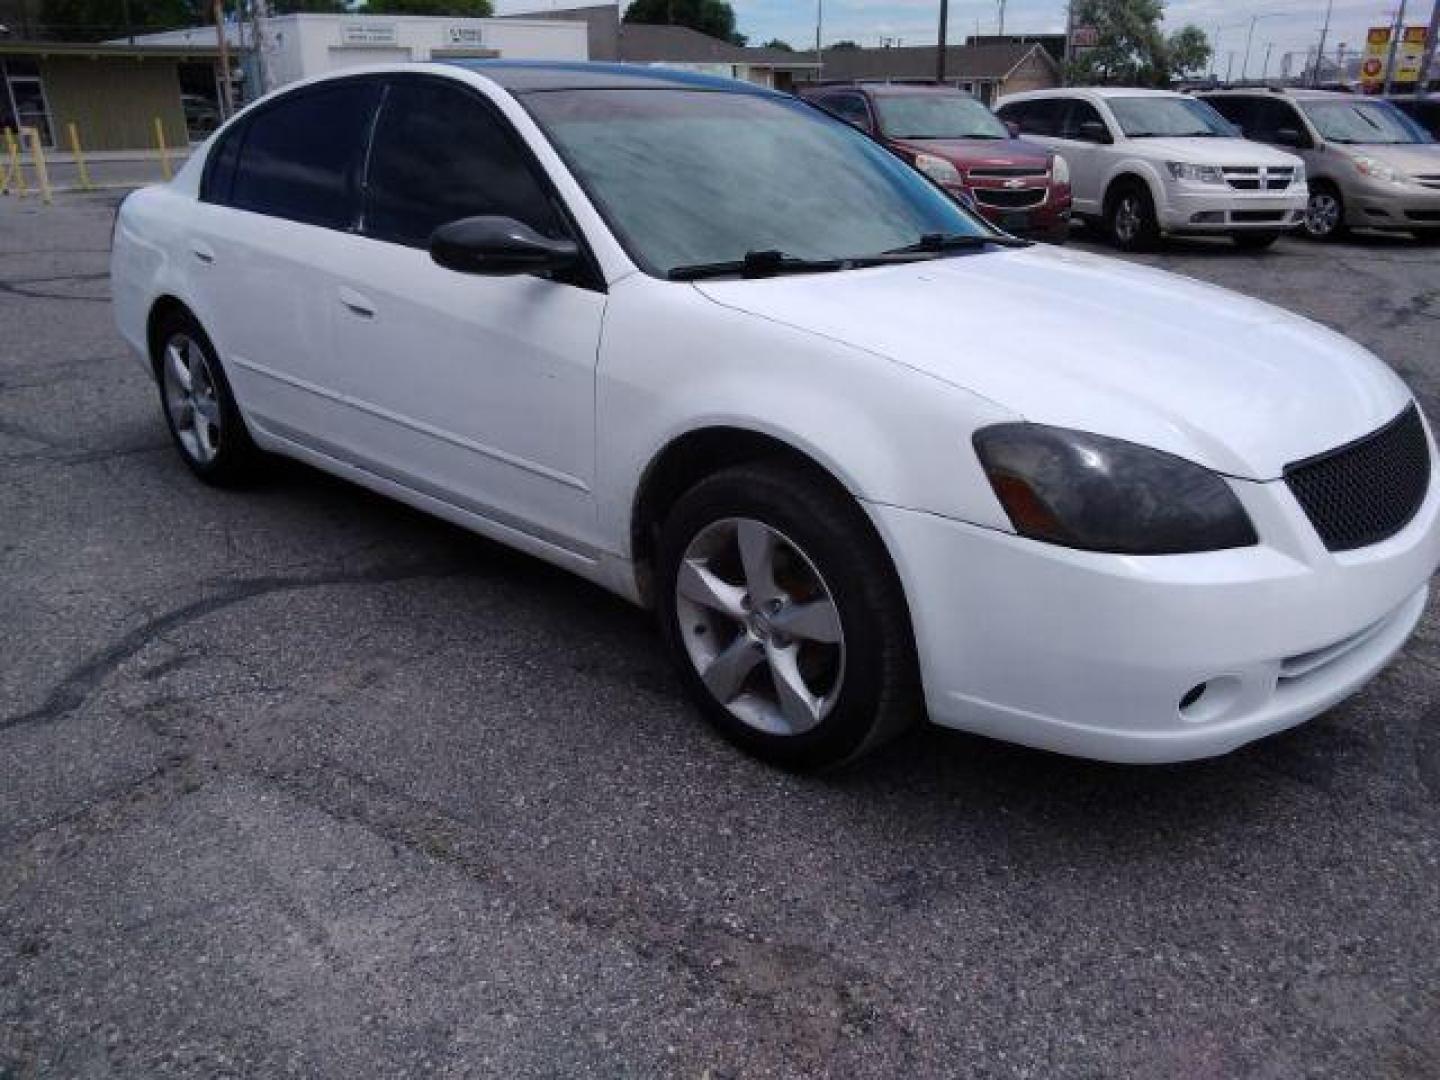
673,361
1146,170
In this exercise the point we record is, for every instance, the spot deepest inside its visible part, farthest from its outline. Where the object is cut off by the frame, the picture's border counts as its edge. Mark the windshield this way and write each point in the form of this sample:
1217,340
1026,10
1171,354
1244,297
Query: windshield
937,116
1363,122
1167,117
687,177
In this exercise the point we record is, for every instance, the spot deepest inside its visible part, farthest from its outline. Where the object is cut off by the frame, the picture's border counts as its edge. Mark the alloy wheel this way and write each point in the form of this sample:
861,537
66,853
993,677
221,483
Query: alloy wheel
191,400
761,626
1127,218
1322,216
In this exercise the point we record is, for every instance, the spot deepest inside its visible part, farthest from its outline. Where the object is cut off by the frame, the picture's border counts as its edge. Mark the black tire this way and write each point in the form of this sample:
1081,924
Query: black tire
878,694
1255,241
235,460
1130,218
1429,237
1320,222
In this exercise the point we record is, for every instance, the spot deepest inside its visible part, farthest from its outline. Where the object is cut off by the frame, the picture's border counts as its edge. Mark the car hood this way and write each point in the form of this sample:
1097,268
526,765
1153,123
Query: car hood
978,153
1412,159
1074,340
1220,151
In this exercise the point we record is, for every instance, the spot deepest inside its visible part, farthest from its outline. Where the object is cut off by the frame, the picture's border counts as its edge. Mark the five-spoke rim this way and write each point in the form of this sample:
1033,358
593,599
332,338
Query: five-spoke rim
761,626
1127,218
1324,213
190,398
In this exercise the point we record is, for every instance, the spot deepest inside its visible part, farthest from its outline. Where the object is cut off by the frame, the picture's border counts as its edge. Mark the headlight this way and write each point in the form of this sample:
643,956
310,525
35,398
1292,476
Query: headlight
1300,176
939,170
1059,171
1099,494
1374,169
1196,174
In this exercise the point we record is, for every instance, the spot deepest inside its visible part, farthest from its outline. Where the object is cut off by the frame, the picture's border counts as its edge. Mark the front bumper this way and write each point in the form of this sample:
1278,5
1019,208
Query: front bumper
1093,655
1394,208
1223,210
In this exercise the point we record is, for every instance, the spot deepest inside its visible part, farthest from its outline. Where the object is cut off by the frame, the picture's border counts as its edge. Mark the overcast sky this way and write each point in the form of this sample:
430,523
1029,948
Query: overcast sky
1293,25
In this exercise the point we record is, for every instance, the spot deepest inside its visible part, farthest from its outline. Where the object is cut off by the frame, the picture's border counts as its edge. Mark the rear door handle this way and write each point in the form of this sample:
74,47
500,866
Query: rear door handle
202,252
356,304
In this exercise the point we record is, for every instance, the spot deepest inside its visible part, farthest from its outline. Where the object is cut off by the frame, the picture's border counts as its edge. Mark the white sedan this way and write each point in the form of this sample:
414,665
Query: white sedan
865,457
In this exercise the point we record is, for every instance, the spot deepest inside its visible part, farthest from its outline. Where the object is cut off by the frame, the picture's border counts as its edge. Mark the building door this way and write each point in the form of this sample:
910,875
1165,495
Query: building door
24,103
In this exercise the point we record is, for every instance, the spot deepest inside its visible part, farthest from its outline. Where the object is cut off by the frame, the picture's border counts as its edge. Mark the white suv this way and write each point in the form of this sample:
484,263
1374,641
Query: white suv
1152,162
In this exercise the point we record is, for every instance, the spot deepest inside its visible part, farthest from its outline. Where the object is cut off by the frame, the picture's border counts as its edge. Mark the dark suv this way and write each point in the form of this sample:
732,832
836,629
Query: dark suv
961,145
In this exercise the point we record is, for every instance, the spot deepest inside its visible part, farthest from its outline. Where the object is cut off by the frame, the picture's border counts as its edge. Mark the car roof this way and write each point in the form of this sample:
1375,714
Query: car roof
888,89
1094,91
1284,92
529,76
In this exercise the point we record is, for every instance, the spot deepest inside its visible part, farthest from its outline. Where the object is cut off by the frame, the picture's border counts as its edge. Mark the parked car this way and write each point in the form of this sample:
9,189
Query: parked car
1424,109
957,142
1149,163
202,116
863,454
1371,167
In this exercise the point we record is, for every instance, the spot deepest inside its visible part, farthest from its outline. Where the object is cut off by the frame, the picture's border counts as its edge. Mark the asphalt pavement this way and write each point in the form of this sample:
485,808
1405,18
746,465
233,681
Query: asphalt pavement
296,781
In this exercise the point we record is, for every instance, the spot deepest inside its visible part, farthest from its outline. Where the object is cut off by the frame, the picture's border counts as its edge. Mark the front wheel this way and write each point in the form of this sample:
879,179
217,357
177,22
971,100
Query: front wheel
785,616
1325,214
1131,219
1255,241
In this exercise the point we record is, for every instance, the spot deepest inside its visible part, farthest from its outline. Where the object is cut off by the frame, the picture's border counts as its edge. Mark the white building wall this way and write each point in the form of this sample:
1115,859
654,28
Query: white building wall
299,46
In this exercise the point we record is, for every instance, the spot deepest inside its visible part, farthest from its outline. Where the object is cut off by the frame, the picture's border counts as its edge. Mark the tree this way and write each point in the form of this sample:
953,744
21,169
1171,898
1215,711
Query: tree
846,44
1131,48
779,46
308,7
713,17
97,20
1187,52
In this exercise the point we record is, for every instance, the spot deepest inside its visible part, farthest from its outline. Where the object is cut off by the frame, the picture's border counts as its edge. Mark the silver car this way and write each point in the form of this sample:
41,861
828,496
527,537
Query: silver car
1370,165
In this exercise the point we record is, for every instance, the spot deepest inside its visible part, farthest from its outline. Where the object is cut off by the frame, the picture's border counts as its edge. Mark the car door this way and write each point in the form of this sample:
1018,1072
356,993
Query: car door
476,390
850,107
1085,148
278,194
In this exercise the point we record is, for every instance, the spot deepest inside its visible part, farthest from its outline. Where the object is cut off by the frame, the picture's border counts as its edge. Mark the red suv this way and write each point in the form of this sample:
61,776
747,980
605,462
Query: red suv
961,145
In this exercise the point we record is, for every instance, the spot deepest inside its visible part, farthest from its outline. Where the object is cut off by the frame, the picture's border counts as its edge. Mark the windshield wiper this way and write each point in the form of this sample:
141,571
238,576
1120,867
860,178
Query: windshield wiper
756,264
941,242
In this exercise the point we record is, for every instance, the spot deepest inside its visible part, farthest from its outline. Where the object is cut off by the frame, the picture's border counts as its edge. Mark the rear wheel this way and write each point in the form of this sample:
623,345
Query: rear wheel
1255,241
785,617
200,409
1325,213
1131,219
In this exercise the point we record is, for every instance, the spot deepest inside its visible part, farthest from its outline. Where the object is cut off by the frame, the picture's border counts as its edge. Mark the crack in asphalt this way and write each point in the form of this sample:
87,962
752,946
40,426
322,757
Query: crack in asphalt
20,287
76,687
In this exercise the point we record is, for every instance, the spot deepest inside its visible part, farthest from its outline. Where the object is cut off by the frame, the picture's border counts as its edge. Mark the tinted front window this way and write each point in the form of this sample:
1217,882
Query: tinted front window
937,116
687,177
301,156
848,107
1160,117
1363,122
441,155
1036,117
1077,116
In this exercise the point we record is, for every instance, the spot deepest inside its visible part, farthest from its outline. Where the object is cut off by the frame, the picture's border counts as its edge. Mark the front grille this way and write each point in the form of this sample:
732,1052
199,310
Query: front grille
1252,217
1257,178
1428,181
1005,171
1003,199
1369,490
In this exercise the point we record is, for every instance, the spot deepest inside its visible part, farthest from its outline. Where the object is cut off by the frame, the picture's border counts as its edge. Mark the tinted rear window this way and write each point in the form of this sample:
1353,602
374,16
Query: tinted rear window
301,156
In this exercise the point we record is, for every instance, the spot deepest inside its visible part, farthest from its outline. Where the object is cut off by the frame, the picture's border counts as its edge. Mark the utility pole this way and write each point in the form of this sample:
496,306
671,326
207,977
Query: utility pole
1002,18
1324,33
1245,67
227,93
260,20
819,52
129,26
1428,59
940,47
1070,38
1395,32
1229,66
1265,71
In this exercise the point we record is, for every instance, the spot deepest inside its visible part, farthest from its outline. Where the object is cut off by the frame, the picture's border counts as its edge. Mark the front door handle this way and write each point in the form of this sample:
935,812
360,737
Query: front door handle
356,304
202,252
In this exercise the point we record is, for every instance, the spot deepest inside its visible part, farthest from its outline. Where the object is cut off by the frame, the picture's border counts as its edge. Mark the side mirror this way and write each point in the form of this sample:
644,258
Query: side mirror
499,245
1013,128
1289,137
1095,131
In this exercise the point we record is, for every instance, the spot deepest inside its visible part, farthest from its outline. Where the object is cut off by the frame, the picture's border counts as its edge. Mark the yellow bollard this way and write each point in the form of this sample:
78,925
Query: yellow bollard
85,184
14,172
160,142
37,161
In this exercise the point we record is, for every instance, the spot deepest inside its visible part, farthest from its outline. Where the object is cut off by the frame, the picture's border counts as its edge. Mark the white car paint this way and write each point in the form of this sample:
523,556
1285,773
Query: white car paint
532,415
1094,168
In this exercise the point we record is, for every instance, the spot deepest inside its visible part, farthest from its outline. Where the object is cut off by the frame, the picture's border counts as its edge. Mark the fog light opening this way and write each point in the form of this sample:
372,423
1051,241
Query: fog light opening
1210,700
